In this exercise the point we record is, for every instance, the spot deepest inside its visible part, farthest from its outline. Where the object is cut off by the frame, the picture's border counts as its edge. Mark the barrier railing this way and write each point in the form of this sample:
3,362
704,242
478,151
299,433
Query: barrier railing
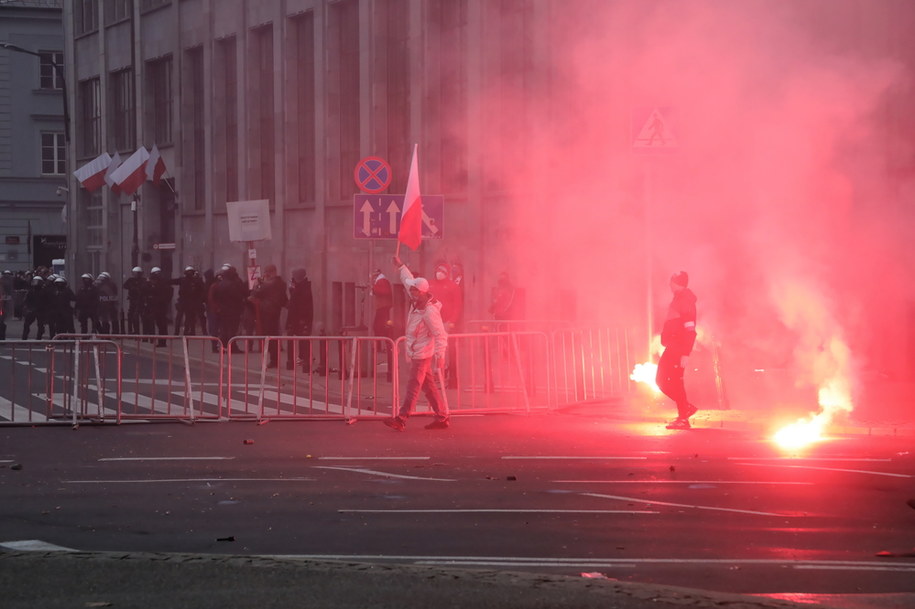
167,377
494,372
330,377
53,382
189,378
591,364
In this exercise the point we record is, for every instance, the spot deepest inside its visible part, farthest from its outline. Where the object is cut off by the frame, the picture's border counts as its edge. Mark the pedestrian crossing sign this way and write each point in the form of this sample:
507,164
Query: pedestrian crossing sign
652,130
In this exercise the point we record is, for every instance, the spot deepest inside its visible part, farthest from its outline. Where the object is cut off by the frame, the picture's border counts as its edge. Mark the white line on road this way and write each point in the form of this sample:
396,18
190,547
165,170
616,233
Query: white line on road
528,561
371,458
795,459
167,459
495,511
836,469
373,472
34,545
683,505
153,481
764,482
575,457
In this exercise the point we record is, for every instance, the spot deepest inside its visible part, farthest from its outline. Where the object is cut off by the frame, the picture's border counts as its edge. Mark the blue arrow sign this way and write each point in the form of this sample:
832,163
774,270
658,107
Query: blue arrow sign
378,216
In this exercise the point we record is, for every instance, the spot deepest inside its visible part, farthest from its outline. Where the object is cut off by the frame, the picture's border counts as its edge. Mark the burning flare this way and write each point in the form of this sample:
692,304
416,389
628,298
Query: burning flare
833,397
646,373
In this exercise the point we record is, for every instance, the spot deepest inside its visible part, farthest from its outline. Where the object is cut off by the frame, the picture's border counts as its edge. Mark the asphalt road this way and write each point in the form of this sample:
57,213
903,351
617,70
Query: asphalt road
597,491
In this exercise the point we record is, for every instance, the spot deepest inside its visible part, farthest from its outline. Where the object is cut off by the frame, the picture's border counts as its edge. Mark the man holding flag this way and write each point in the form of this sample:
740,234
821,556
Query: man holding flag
426,340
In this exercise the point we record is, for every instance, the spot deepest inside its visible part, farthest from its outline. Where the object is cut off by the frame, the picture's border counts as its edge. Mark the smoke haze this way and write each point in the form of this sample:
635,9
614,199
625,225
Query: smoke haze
777,199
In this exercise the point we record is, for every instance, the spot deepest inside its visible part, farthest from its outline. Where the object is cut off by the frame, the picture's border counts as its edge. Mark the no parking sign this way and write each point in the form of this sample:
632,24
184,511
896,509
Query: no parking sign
372,174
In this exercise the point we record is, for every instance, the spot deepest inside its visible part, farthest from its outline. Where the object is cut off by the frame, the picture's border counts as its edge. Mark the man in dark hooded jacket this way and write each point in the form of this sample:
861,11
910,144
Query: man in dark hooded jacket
300,318
678,337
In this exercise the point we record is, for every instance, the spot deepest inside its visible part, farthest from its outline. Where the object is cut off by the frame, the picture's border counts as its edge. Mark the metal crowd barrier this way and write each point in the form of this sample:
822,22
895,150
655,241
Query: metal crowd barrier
60,382
167,377
330,377
189,378
591,364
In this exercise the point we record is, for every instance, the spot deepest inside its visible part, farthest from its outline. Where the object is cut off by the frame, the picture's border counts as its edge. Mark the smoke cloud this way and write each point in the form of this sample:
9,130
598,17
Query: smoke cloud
780,199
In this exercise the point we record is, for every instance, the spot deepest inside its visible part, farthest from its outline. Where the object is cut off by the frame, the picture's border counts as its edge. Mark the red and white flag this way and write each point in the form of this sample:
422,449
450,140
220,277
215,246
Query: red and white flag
114,164
155,166
411,219
92,174
132,172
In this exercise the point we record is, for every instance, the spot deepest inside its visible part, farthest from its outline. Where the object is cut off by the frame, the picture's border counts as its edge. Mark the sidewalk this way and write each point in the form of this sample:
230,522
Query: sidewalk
52,580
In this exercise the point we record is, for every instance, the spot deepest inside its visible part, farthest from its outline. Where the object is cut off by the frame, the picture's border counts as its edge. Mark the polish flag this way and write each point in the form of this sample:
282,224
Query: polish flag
411,220
92,174
132,173
155,165
115,163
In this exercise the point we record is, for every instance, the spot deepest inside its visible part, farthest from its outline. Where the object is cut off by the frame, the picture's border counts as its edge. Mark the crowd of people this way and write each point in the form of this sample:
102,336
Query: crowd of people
218,303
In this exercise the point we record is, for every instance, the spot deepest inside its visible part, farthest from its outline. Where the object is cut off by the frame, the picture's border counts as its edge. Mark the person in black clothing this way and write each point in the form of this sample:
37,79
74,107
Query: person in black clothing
87,303
6,301
158,304
108,304
35,308
299,319
227,299
135,286
678,337
191,298
62,308
269,296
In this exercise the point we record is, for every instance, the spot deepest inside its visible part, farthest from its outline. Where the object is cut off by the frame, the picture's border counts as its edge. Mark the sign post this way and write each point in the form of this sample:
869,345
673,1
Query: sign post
249,221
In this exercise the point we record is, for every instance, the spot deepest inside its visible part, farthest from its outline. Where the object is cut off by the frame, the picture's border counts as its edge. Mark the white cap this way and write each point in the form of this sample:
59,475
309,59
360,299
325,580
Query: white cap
155,269
104,274
86,276
189,268
136,269
419,283
60,280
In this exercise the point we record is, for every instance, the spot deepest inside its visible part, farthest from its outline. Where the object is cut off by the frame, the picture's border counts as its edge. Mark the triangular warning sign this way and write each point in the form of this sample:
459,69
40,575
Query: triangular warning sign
655,133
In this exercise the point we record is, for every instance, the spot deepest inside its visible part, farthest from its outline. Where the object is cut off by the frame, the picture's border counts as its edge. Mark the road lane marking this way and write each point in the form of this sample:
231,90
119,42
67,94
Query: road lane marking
372,472
534,561
160,480
795,459
764,482
492,511
370,458
835,469
13,413
572,457
166,459
684,505
34,545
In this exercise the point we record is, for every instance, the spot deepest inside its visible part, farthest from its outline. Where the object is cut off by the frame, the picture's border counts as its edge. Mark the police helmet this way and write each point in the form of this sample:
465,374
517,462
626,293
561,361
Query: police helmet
37,280
154,270
189,269
86,276
60,280
104,275
136,269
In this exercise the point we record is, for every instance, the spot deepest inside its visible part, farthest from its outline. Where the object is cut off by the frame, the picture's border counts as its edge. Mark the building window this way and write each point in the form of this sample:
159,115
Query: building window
51,69
261,122
53,154
448,22
85,16
94,217
343,95
194,144
90,117
116,10
303,30
123,110
159,91
225,119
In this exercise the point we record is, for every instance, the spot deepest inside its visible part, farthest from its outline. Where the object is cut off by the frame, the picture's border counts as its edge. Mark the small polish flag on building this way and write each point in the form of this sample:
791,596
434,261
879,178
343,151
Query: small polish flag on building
411,219
115,163
132,172
155,166
92,174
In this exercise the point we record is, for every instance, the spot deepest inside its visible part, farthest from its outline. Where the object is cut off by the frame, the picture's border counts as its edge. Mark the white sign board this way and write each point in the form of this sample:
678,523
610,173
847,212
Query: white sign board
249,220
